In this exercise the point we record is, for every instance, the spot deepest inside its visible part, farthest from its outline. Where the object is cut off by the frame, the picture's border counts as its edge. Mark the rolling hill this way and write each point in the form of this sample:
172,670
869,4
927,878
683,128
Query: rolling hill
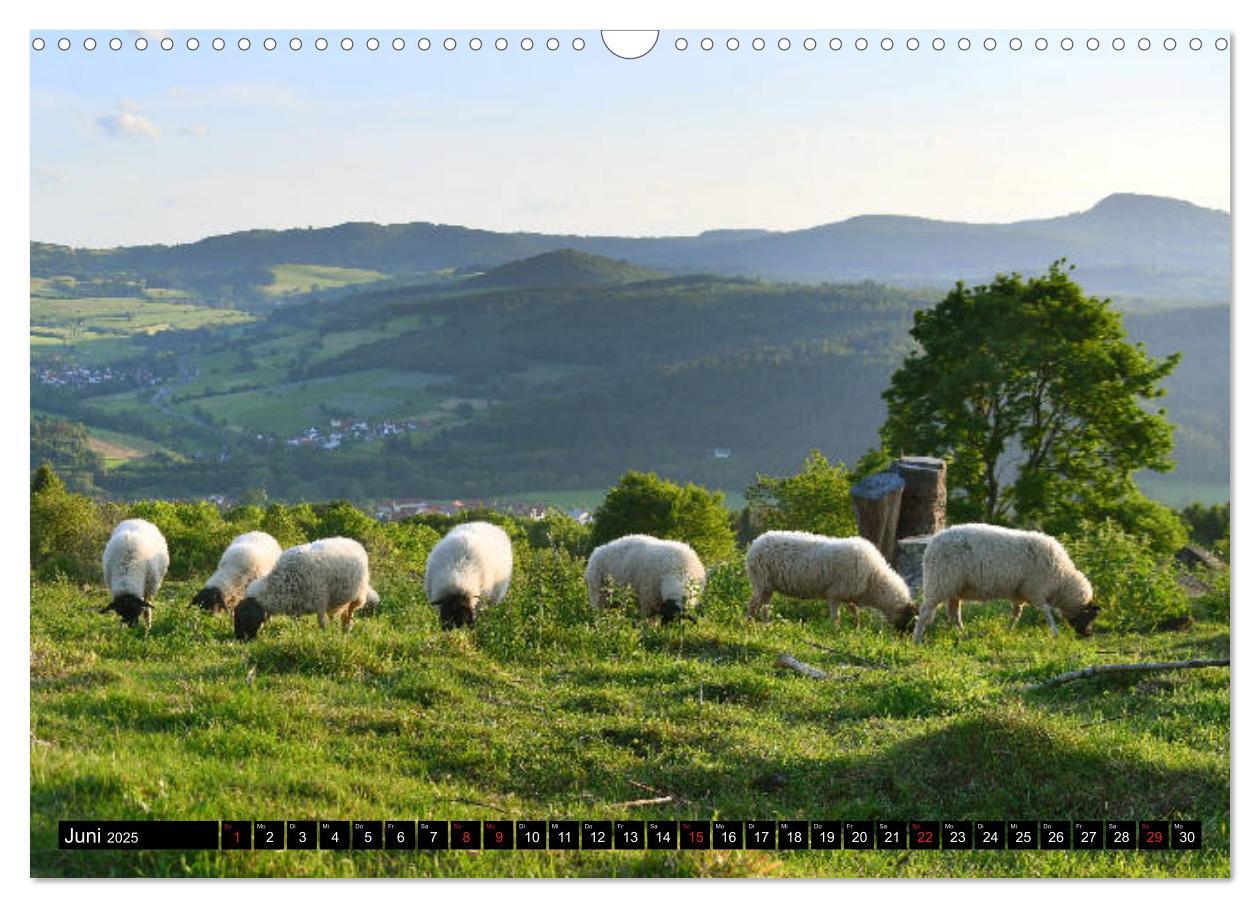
562,268
1134,246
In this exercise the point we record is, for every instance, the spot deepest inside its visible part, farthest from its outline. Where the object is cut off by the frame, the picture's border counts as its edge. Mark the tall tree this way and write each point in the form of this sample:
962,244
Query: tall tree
1031,390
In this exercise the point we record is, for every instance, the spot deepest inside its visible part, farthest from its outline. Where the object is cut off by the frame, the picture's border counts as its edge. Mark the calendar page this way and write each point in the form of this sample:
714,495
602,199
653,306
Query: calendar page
680,453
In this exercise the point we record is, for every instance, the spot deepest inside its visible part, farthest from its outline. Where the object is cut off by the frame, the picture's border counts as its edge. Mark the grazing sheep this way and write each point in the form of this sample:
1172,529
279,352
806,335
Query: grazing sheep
135,562
327,577
975,561
665,576
843,571
469,569
248,557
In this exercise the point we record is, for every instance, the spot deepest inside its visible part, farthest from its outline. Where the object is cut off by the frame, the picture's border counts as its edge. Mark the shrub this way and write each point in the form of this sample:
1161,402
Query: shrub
815,500
1208,525
646,503
1135,588
196,533
68,531
556,529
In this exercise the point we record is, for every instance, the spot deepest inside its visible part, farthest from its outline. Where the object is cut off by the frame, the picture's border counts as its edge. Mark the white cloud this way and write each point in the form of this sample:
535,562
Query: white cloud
196,130
127,122
235,94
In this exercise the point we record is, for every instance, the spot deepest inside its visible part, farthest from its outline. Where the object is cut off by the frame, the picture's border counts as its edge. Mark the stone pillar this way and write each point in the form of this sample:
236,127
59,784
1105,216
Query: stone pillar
909,563
923,498
877,507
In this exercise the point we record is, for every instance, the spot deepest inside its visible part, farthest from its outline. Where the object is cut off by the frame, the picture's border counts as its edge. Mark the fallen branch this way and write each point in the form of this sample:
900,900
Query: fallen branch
1126,667
785,660
642,802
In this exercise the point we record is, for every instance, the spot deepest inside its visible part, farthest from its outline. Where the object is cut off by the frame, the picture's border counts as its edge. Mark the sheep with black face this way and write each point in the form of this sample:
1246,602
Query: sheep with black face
328,577
248,557
135,562
665,576
469,569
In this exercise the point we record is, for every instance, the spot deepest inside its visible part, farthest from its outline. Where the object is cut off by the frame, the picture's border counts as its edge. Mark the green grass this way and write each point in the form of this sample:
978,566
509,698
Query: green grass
289,406
305,278
544,710
99,330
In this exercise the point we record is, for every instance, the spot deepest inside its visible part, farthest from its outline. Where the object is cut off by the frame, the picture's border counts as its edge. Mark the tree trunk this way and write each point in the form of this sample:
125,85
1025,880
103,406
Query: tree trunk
877,507
923,498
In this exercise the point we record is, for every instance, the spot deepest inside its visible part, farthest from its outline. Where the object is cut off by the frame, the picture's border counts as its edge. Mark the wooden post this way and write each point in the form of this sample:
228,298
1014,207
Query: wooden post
923,498
877,507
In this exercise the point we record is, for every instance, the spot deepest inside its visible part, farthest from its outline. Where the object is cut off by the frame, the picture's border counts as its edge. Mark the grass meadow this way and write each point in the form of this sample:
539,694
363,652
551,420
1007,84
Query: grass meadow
545,710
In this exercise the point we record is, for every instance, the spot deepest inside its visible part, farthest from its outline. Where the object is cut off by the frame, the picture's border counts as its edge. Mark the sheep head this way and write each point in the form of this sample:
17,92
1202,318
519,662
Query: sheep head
672,609
248,618
1082,619
905,617
456,610
210,599
129,607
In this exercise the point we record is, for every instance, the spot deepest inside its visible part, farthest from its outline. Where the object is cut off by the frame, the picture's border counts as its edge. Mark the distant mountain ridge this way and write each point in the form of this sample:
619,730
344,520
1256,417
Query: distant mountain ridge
1125,245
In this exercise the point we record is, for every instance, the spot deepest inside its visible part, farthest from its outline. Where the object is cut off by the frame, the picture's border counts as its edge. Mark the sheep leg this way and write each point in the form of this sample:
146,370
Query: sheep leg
926,615
1017,609
323,620
835,613
347,616
759,605
857,615
955,613
1049,613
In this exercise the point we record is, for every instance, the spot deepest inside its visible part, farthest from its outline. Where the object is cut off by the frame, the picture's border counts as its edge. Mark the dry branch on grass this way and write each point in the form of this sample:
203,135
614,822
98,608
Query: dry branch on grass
1126,667
641,802
786,660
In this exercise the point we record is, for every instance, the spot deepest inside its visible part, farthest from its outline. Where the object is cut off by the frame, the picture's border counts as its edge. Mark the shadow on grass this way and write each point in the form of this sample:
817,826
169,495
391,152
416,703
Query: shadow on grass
1001,764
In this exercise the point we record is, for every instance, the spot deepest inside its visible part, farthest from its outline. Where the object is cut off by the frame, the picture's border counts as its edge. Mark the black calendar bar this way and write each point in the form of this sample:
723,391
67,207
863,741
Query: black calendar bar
132,835
632,835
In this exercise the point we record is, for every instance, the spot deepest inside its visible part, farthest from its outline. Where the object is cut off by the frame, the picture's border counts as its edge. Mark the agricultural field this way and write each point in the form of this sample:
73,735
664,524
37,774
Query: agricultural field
291,278
97,331
290,406
547,710
119,447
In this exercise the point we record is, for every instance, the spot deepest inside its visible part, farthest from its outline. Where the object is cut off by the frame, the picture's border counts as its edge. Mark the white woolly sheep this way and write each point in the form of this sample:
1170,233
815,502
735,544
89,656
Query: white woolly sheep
326,577
666,577
976,561
469,569
842,571
135,562
248,557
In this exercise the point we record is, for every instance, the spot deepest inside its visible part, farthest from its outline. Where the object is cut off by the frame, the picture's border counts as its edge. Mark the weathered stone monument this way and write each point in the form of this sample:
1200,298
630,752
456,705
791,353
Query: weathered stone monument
877,507
900,510
923,499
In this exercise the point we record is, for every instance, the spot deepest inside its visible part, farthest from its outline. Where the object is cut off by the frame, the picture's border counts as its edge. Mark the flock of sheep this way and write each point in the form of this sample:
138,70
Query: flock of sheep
470,569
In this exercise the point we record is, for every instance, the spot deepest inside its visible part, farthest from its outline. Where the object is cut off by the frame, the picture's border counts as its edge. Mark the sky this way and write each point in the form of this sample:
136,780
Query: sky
161,146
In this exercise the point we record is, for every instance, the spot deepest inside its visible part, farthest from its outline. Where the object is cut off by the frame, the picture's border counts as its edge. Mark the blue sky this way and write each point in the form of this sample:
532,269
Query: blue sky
169,146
